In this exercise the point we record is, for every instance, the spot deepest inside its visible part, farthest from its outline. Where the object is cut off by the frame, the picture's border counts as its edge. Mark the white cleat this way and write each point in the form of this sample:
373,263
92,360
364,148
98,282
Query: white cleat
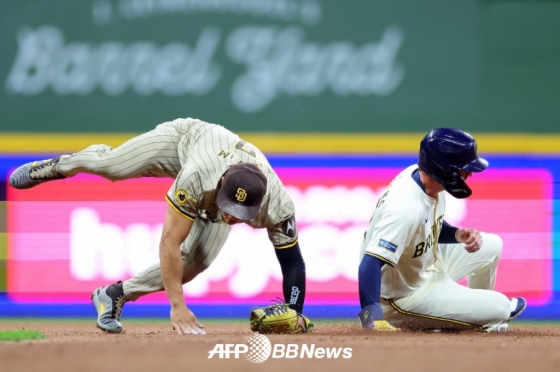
504,327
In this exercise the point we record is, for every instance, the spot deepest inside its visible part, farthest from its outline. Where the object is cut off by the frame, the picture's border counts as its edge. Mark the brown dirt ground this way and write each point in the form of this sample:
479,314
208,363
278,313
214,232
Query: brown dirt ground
152,346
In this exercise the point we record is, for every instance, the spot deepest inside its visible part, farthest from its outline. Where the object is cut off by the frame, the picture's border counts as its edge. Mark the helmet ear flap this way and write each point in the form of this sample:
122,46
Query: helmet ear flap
456,186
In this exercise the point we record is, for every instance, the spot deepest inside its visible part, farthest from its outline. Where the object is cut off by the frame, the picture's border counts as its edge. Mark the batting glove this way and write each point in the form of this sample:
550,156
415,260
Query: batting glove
371,318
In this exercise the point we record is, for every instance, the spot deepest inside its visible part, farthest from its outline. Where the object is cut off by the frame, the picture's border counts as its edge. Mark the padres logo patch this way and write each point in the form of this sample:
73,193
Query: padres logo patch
182,196
241,195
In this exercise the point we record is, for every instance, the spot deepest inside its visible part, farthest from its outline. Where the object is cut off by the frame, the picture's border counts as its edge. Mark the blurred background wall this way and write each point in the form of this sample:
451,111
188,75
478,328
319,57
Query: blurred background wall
341,92
280,65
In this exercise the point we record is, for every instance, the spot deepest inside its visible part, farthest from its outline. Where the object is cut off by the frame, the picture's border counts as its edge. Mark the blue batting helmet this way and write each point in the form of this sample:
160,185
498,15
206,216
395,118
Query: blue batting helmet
443,152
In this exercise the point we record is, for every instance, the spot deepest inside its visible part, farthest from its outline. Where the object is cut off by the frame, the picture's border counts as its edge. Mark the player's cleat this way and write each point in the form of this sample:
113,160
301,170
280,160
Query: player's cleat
108,302
517,305
501,328
35,173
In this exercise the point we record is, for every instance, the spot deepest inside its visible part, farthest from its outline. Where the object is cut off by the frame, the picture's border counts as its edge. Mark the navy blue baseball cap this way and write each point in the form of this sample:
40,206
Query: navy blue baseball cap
242,191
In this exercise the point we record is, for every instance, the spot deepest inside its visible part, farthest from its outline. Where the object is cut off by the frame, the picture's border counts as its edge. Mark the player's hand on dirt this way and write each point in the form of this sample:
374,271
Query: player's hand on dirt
371,318
301,322
184,321
471,238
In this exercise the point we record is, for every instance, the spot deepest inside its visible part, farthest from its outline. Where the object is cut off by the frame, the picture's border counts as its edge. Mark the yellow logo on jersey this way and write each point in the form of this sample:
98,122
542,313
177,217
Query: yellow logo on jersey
182,196
101,307
241,195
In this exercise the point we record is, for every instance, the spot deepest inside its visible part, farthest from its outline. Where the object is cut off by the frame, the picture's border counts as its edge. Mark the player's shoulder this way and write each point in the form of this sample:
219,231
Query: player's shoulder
403,195
189,175
403,187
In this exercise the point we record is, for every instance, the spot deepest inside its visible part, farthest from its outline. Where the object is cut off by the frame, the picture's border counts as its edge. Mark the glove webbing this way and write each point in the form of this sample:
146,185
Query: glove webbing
276,310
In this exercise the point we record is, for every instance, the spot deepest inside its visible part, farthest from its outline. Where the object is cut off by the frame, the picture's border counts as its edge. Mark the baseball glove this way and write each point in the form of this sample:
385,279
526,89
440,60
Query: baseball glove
278,318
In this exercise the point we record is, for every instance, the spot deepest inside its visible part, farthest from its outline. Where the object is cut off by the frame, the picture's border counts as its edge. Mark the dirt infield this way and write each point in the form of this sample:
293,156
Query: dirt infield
152,346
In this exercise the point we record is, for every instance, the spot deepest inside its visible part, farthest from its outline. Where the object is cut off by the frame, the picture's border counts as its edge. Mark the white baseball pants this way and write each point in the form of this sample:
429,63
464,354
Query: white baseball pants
442,303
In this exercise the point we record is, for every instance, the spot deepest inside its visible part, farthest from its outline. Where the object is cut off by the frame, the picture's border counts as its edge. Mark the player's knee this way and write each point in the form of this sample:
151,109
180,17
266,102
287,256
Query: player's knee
101,150
203,266
492,245
189,273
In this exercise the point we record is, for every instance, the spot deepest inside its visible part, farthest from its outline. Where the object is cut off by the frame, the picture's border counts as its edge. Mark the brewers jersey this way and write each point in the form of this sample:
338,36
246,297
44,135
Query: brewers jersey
403,233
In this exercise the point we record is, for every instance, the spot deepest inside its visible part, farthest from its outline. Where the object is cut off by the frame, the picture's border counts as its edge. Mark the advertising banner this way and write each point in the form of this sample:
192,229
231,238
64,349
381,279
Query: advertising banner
68,237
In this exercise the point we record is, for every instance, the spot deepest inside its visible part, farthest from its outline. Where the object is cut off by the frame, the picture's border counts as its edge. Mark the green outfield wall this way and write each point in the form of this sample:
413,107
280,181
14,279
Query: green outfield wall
280,65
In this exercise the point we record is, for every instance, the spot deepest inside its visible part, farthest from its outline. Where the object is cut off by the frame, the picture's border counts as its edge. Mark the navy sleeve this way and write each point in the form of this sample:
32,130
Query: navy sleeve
369,280
293,271
447,234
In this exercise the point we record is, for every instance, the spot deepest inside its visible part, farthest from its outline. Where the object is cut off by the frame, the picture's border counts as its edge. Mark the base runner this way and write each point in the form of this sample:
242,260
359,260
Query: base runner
412,258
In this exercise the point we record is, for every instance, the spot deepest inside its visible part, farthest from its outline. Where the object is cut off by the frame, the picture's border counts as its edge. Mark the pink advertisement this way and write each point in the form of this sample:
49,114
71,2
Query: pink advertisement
68,237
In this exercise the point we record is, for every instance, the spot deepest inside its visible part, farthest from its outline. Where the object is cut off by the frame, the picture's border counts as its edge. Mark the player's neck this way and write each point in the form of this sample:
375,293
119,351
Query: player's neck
432,187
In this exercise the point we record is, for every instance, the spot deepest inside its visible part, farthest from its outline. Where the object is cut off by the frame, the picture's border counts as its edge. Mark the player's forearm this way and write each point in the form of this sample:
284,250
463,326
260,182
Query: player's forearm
448,234
294,286
369,280
293,272
172,272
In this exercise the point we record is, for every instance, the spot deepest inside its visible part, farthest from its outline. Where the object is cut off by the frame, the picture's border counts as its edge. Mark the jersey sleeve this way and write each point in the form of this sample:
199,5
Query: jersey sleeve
391,234
284,234
182,195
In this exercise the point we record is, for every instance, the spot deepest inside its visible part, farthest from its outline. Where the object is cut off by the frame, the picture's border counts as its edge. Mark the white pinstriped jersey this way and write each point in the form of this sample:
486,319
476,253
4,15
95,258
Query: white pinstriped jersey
206,151
403,233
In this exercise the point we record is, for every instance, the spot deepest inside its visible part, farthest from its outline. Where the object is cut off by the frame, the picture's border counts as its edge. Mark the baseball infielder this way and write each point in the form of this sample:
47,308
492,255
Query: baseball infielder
220,180
412,259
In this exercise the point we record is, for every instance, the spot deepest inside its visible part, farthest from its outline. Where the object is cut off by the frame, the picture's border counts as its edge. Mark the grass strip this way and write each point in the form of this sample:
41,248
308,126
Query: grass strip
21,335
